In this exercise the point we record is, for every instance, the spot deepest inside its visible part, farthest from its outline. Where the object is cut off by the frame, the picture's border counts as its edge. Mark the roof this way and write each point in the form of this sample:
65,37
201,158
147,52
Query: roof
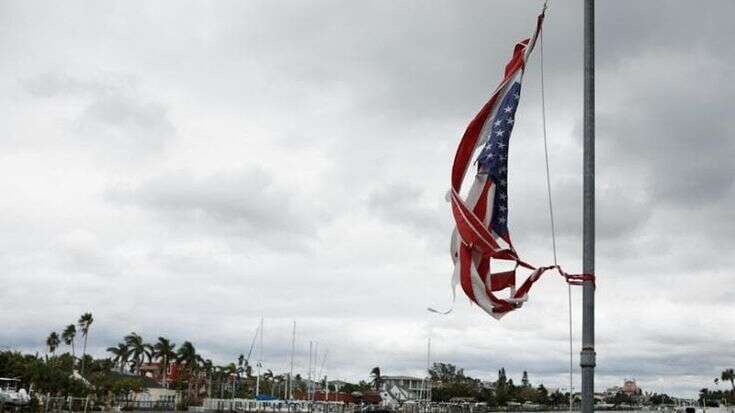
148,382
401,378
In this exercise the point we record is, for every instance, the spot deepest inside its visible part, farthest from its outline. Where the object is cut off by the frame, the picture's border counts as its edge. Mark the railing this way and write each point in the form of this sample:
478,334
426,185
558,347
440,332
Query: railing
133,404
66,404
86,404
275,406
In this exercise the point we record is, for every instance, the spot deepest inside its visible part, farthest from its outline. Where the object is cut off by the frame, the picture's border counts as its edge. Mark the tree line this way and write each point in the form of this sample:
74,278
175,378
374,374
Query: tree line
196,376
125,370
715,397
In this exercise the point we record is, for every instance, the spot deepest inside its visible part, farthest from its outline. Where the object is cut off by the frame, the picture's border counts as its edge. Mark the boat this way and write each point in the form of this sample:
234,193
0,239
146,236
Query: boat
12,394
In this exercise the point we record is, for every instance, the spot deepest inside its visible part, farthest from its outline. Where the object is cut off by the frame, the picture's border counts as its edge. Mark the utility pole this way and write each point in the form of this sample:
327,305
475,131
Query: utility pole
587,356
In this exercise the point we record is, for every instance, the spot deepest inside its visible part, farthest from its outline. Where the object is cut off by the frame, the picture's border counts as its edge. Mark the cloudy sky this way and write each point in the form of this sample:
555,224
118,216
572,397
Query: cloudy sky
184,168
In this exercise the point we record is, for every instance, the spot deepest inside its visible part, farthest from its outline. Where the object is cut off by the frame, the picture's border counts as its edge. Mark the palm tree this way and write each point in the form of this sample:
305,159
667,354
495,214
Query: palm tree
164,350
377,380
267,381
729,375
209,370
52,342
68,336
138,349
240,370
188,356
121,353
248,369
85,321
224,374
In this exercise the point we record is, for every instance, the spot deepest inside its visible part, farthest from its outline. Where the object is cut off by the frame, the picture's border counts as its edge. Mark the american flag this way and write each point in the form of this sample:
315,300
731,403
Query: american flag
481,237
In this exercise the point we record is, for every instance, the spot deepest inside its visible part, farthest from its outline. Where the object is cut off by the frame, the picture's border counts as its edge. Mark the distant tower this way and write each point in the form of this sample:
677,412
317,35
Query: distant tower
630,387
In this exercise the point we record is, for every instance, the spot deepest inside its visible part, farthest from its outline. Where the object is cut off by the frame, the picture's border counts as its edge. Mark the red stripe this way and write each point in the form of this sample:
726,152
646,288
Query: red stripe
483,268
465,260
502,280
469,141
471,229
481,206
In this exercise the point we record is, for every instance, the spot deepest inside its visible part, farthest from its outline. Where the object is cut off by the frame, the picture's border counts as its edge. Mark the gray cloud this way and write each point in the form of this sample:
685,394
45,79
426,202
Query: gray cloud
115,118
244,203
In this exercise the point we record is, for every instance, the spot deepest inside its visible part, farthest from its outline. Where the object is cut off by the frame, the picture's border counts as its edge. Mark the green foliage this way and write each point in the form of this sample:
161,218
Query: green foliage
47,376
449,381
362,386
445,373
620,398
126,386
658,399
52,342
729,375
715,397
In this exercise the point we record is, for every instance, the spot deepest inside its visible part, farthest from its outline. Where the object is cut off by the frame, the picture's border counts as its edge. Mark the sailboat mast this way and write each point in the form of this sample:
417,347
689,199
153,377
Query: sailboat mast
290,373
587,356
313,366
308,387
428,369
260,359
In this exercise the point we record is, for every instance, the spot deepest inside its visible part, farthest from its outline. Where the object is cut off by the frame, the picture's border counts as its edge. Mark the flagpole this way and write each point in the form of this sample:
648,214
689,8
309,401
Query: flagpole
587,355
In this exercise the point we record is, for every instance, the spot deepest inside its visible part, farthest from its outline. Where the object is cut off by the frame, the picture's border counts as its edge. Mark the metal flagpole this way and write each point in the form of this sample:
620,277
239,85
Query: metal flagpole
587,356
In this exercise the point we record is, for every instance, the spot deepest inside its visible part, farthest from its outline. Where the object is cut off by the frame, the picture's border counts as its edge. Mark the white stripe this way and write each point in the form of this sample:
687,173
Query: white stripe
490,205
478,289
476,190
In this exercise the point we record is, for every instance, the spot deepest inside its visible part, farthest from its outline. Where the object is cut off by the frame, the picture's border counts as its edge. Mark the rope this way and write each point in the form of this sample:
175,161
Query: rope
551,215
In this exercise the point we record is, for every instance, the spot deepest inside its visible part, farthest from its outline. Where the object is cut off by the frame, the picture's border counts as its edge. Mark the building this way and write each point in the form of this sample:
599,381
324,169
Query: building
612,391
154,370
404,388
630,387
491,386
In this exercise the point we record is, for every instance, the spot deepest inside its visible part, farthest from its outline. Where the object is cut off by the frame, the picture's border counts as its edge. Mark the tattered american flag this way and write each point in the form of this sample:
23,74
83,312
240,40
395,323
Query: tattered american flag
481,234
481,238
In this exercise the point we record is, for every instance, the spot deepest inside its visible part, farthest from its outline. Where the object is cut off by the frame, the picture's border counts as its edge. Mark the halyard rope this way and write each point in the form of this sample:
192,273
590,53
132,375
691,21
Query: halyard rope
551,212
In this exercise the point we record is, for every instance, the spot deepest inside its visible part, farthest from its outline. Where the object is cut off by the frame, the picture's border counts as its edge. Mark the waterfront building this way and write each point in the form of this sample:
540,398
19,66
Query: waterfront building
413,388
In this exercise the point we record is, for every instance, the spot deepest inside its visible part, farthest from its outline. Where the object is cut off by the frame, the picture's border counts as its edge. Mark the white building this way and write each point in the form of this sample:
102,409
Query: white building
404,388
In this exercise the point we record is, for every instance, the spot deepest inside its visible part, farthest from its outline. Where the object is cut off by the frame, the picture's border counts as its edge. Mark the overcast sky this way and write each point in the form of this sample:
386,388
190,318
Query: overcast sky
182,168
